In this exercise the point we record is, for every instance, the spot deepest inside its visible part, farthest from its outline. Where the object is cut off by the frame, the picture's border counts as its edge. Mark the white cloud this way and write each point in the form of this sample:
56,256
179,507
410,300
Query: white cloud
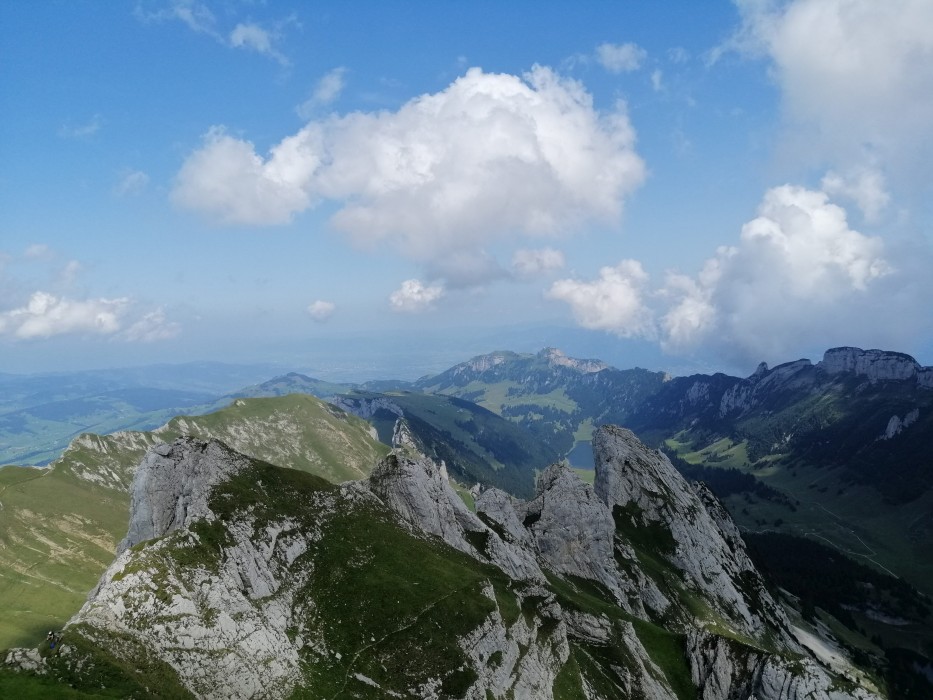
248,35
491,157
798,273
321,310
531,263
413,296
152,327
195,15
857,73
227,180
864,186
198,17
81,131
131,182
38,251
327,90
69,273
613,302
798,277
45,315
620,58
657,80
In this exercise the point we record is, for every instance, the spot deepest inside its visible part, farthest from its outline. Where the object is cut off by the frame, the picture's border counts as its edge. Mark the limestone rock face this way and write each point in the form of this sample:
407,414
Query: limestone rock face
875,365
496,650
704,544
418,490
896,424
572,529
236,625
107,460
558,358
745,395
172,484
721,669
573,533
502,509
222,631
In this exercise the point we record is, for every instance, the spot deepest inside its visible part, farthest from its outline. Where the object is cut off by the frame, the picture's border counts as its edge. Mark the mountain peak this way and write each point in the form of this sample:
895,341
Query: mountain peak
561,359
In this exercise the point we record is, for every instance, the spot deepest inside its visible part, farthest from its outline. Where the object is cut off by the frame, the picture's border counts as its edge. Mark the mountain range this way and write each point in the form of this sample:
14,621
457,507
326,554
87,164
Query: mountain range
237,579
833,452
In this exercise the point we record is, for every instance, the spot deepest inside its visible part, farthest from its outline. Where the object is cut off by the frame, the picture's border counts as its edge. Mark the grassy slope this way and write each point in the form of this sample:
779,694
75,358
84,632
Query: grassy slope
829,508
477,444
296,430
58,531
57,534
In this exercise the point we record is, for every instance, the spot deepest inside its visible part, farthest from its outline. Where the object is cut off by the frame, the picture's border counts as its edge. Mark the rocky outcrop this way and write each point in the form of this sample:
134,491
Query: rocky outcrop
172,485
896,424
692,530
876,365
573,530
572,533
557,358
106,460
219,628
418,490
26,660
722,669
749,393
803,376
521,661
240,623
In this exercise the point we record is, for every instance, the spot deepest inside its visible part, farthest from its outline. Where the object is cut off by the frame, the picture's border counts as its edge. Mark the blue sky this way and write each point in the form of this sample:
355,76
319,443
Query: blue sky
400,185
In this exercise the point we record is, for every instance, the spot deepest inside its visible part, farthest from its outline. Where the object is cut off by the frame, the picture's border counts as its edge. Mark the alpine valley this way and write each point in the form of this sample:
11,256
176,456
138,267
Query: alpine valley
518,526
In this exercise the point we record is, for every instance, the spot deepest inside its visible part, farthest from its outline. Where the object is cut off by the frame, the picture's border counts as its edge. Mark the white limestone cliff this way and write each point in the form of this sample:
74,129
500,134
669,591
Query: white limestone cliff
876,365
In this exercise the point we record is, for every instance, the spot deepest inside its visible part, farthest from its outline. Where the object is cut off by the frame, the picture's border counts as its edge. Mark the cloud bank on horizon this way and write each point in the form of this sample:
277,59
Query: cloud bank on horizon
497,179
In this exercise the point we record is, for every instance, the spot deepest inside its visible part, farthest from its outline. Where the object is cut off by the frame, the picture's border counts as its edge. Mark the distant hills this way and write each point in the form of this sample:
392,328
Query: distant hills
558,399
41,413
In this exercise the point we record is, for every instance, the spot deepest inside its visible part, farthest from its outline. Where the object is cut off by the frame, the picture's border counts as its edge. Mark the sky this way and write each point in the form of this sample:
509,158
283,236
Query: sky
389,188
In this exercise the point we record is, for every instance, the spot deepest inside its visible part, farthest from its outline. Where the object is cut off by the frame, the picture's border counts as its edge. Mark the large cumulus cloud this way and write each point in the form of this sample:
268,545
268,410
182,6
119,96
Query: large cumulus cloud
856,75
799,276
798,271
492,157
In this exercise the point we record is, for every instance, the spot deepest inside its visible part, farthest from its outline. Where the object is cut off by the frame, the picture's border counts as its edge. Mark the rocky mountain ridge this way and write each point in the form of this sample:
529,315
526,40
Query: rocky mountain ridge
239,579
837,449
